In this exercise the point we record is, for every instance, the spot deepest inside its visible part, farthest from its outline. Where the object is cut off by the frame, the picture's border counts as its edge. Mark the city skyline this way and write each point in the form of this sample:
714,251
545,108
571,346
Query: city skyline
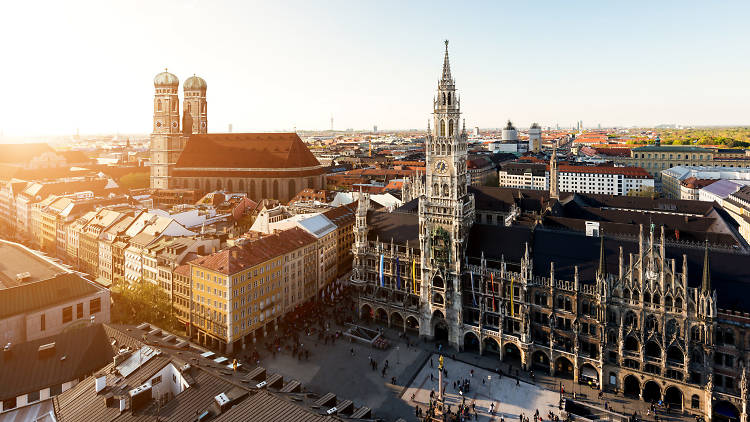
370,64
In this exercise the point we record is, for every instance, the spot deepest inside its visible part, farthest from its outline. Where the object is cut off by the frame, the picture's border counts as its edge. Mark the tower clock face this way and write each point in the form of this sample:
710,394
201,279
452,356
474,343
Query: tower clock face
441,167
174,124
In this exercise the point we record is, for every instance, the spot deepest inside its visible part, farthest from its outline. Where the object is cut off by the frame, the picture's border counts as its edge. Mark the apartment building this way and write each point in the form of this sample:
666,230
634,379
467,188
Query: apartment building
738,206
672,179
656,158
238,292
524,176
343,217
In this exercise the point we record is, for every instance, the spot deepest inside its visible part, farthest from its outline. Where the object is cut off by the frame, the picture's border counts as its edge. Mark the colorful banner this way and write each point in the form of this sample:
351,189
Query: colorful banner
492,287
382,279
398,275
414,275
473,295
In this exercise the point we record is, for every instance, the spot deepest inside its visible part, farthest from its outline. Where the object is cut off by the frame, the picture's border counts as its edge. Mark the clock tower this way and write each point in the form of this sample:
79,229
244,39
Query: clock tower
446,213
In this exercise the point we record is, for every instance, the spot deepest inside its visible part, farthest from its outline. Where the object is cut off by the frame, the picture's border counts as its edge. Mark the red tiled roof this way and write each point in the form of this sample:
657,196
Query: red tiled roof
627,171
237,258
246,150
694,183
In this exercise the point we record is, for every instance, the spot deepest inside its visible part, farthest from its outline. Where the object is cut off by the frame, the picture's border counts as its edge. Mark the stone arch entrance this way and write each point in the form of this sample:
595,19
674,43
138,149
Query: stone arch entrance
366,313
440,328
651,392
540,361
631,387
471,342
491,346
381,316
511,353
563,368
412,323
724,411
397,321
589,375
673,398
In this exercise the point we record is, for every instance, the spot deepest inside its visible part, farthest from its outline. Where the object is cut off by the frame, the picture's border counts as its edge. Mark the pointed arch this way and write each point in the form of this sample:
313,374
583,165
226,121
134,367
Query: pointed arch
159,106
276,189
292,188
229,185
443,98
450,127
442,127
449,98
188,107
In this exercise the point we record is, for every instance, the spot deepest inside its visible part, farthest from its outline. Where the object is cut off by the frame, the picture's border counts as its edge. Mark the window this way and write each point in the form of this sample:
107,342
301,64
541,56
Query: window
95,305
156,380
43,322
9,404
33,396
67,314
79,310
695,402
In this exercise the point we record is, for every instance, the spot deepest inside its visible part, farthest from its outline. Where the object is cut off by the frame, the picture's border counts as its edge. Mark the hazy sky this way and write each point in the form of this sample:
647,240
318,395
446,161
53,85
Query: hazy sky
274,65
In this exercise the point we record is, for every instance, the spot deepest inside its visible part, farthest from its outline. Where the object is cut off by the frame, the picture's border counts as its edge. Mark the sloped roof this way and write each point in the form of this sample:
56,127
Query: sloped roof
86,350
246,150
45,293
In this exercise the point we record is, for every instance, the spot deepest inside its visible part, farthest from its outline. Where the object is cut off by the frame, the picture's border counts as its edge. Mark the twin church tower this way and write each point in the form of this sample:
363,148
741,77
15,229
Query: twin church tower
169,135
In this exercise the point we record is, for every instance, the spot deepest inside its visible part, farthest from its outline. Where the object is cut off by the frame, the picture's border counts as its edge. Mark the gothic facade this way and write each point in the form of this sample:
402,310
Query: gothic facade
639,316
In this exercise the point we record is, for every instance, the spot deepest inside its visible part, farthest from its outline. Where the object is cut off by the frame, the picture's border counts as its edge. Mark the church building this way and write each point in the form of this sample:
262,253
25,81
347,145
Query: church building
185,156
644,315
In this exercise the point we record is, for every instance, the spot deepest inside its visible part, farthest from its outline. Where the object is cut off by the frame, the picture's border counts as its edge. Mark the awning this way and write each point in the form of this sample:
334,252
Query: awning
589,372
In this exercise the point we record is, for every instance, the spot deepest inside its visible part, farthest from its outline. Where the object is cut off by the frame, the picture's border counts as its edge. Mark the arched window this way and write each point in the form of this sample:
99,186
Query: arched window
678,304
450,127
449,148
445,189
158,105
229,185
449,98
263,189
218,184
241,185
174,105
442,128
626,294
443,98
646,297
436,189
695,402
204,107
657,299
636,296
292,188
251,184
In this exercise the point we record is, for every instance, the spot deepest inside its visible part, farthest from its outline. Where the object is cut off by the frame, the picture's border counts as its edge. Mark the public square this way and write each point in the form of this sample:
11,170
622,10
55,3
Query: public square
510,397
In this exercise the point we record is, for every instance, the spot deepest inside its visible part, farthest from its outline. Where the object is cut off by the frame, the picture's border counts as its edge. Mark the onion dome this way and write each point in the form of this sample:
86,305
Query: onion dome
166,79
194,83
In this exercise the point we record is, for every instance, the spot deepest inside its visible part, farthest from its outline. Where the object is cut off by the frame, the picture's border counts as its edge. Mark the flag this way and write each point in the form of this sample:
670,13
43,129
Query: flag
511,295
492,286
473,295
398,275
382,280
414,275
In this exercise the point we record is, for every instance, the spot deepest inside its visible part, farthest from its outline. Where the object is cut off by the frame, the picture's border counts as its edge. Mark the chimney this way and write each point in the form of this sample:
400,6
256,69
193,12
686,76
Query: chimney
123,404
101,382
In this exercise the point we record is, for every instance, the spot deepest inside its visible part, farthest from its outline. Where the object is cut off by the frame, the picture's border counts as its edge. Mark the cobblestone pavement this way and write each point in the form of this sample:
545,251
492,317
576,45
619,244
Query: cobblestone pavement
333,368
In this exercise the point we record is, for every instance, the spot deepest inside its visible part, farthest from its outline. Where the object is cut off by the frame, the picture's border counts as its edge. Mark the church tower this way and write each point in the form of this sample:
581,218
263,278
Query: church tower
194,104
554,183
446,213
166,139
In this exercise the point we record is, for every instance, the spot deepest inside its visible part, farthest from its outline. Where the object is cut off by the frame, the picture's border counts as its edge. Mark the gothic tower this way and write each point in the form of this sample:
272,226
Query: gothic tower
446,213
166,139
194,104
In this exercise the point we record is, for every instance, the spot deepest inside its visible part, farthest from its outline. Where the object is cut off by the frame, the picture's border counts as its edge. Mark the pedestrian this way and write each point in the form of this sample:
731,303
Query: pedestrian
471,373
517,382
430,362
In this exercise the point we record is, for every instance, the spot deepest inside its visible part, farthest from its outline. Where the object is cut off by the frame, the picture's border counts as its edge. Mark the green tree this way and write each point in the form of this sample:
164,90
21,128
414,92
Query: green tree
143,302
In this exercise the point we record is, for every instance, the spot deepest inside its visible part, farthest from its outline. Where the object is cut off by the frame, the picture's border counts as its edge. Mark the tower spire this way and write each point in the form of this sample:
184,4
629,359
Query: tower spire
706,282
602,259
446,67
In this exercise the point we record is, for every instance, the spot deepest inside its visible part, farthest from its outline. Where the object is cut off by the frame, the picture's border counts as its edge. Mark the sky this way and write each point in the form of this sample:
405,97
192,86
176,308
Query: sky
280,65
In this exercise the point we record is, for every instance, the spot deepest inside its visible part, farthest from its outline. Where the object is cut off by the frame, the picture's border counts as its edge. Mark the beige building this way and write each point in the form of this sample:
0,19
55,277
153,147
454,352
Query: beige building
27,309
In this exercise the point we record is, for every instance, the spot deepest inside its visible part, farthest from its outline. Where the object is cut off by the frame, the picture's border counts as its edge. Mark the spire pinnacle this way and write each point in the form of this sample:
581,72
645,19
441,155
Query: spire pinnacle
602,259
446,67
706,282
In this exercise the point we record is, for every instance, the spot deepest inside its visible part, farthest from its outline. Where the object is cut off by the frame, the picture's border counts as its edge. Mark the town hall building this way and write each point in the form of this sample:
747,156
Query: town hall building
645,315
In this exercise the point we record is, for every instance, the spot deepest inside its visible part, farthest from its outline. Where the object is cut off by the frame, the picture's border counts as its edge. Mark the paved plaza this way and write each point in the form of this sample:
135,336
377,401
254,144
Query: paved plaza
510,398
